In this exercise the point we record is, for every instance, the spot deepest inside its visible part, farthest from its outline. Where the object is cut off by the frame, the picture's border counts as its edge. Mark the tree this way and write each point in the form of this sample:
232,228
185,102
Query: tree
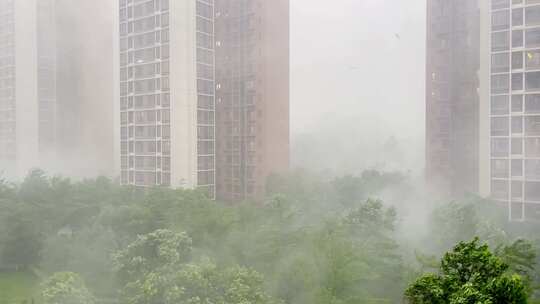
469,274
23,245
66,288
157,268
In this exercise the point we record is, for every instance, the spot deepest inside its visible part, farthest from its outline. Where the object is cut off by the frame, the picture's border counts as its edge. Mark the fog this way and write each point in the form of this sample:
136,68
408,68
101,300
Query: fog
357,77
351,220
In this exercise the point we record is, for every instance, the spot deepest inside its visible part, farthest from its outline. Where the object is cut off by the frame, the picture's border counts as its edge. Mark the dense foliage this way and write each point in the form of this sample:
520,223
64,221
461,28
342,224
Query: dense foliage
313,239
469,274
66,288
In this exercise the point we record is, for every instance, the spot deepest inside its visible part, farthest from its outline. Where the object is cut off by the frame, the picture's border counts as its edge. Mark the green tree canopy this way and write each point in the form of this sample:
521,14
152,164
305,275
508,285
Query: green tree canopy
469,274
157,268
65,288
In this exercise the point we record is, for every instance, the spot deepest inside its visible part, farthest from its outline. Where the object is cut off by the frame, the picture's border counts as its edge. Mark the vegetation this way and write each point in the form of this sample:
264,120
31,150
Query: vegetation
65,288
312,240
469,274
17,287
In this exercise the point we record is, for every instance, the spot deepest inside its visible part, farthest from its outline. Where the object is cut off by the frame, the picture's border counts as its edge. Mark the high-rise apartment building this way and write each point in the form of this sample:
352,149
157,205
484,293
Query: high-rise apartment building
452,96
515,106
85,83
27,85
252,72
181,104
167,92
56,100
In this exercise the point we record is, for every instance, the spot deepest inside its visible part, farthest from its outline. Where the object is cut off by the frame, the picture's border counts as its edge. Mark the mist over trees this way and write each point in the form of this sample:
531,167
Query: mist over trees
313,239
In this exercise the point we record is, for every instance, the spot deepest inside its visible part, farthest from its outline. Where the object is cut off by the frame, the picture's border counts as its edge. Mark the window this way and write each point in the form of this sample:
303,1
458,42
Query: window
165,83
499,105
499,168
532,81
532,15
207,26
500,41
532,60
517,190
166,149
532,169
532,103
517,103
145,131
517,60
145,147
532,191
204,41
517,17
165,4
498,4
500,84
532,125
517,125
145,71
165,36
499,126
204,10
532,147
517,38
205,56
205,71
500,147
205,87
166,132
165,100
517,82
532,37
517,146
165,51
165,20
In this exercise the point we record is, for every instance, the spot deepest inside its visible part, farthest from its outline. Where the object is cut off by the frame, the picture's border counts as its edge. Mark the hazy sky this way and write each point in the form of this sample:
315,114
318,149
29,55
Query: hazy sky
358,60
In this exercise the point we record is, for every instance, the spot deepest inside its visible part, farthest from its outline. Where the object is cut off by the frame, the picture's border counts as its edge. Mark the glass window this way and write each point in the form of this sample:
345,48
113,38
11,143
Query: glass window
499,168
517,167
532,81
499,126
499,84
517,103
532,103
532,59
517,146
532,125
532,191
532,147
498,4
517,60
517,82
517,190
517,125
532,169
499,105
517,38
532,15
500,20
517,17
499,63
500,147
532,37
500,41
